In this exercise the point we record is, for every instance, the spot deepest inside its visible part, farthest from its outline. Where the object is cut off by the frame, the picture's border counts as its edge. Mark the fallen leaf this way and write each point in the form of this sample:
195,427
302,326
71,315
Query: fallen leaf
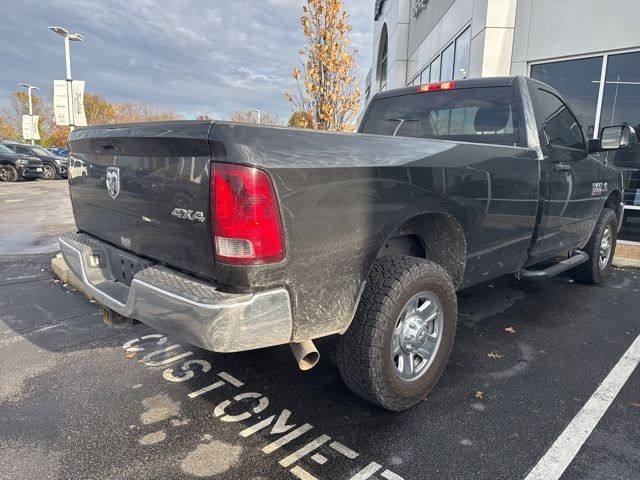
479,395
636,405
494,355
130,355
510,330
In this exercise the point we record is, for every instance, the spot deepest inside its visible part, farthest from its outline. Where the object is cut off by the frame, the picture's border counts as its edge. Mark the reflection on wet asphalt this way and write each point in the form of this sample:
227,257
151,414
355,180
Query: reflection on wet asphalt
33,215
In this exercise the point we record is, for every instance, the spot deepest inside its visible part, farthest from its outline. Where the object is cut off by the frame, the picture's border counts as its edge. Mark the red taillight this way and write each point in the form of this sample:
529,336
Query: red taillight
245,225
437,86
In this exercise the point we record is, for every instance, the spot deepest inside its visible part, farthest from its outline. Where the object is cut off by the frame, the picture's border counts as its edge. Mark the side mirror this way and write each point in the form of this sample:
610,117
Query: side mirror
614,138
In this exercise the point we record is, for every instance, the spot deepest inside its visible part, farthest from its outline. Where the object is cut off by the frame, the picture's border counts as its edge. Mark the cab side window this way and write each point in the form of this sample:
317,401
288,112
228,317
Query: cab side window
23,151
560,126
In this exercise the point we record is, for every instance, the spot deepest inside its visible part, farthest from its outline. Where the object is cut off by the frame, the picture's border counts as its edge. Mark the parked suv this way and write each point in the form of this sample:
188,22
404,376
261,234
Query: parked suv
53,165
14,166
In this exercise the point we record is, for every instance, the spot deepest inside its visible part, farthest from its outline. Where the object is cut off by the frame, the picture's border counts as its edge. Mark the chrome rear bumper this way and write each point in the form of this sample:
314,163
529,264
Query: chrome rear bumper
179,305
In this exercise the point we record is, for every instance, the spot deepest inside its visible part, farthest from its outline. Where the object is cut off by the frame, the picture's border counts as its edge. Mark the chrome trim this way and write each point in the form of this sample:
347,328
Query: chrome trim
230,323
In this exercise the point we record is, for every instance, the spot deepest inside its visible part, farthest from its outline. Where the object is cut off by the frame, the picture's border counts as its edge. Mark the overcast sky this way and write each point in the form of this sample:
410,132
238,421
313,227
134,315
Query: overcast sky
200,57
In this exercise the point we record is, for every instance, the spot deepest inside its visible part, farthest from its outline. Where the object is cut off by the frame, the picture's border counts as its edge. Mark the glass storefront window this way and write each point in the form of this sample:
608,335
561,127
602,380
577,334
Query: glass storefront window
578,81
461,64
434,74
424,76
621,100
446,70
621,106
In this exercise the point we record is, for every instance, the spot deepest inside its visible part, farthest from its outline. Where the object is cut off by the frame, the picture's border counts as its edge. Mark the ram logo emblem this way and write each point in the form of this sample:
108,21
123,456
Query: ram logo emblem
113,181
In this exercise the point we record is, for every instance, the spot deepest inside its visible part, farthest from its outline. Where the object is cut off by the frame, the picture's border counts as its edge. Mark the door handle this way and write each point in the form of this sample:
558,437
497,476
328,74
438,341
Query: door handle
562,167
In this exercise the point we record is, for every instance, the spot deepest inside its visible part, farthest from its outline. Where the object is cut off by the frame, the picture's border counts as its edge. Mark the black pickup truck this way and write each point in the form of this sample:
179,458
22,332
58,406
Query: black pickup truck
236,237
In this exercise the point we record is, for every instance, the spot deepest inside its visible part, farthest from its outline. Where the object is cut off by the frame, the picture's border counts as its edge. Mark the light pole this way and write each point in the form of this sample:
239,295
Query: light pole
68,37
29,88
258,112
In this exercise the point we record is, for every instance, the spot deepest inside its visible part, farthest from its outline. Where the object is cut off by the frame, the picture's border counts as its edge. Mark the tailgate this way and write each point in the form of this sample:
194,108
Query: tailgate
145,189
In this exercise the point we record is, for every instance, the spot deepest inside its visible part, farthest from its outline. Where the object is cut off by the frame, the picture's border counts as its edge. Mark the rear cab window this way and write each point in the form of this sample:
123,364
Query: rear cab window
479,114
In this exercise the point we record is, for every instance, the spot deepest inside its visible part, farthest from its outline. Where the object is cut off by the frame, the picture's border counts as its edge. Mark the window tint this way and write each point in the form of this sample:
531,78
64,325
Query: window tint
6,150
560,125
23,151
482,115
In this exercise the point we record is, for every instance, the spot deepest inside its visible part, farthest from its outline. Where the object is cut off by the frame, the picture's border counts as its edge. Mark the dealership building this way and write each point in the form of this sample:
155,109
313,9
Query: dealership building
588,50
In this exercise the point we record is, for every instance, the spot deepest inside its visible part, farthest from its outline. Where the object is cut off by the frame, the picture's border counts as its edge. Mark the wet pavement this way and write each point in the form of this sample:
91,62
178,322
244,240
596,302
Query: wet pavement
33,215
79,399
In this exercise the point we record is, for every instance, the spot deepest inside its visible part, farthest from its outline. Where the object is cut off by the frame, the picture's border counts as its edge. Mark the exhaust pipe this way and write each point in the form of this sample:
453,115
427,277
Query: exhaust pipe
306,354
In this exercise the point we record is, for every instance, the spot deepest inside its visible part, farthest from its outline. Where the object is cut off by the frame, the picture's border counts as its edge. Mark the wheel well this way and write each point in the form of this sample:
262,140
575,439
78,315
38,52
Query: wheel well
613,202
435,236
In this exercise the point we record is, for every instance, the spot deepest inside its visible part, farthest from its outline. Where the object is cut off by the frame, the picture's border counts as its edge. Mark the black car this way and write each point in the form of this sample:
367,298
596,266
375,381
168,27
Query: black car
53,165
14,166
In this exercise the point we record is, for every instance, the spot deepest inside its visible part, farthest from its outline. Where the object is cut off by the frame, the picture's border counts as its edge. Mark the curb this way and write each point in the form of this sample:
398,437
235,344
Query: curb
626,262
61,270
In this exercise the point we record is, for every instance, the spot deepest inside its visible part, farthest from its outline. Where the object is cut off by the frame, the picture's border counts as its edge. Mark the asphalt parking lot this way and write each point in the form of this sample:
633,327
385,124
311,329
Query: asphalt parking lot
79,399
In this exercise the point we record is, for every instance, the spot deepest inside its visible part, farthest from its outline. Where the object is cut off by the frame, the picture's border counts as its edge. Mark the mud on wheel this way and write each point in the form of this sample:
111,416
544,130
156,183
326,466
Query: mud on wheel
399,341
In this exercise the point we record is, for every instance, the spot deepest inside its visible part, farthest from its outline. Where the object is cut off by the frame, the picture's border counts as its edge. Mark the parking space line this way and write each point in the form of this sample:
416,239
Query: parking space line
553,464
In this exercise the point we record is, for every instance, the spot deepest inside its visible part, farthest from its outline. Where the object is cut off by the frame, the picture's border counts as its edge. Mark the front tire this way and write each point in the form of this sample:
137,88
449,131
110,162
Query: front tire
8,173
398,344
49,172
600,248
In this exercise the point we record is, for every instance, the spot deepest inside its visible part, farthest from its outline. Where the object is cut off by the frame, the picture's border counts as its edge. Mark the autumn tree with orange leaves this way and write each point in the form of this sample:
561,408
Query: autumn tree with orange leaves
327,87
249,116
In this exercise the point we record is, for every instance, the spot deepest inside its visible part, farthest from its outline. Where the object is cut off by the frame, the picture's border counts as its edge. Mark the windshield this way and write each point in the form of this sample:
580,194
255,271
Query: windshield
482,115
6,150
40,151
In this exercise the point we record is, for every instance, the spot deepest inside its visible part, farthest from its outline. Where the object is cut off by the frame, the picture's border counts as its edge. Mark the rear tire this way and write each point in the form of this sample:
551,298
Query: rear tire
49,172
8,173
392,321
601,249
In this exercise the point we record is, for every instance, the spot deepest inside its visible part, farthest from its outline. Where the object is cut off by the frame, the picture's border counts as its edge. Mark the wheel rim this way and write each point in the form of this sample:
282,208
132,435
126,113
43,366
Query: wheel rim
416,336
48,172
605,248
6,174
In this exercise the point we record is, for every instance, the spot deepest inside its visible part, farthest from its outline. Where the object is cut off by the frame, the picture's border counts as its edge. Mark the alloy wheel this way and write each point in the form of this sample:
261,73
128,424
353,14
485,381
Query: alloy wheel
417,335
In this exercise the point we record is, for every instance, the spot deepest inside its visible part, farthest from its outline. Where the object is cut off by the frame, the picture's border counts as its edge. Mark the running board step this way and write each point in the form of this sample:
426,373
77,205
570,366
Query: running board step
577,258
